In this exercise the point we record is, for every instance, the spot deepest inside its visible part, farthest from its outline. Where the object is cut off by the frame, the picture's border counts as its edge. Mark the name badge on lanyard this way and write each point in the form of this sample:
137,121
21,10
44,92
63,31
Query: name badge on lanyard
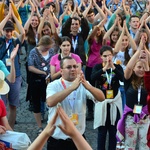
109,92
74,43
137,107
8,60
73,116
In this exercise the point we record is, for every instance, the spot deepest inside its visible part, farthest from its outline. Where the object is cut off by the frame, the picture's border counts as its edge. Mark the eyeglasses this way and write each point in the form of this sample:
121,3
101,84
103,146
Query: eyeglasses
70,67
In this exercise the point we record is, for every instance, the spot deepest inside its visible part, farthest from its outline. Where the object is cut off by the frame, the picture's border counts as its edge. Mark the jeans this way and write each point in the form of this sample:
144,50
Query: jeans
123,96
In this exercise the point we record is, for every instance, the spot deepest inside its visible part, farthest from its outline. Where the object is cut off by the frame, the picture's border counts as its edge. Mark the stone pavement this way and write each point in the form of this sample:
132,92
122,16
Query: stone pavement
26,122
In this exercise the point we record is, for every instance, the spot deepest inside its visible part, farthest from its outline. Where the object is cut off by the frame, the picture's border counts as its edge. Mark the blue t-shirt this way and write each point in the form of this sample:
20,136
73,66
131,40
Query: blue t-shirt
13,42
24,13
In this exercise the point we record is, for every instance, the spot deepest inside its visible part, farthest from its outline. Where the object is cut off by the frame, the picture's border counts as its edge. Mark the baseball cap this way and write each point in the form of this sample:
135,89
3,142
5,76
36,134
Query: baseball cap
9,26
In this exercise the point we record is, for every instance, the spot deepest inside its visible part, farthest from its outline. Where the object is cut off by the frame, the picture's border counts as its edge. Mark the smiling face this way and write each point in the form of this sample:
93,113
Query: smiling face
75,25
34,22
65,48
139,69
8,34
145,36
98,32
125,42
46,30
114,36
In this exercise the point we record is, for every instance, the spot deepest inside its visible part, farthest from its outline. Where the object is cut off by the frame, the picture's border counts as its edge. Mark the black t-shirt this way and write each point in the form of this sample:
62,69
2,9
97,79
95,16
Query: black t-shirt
132,94
99,78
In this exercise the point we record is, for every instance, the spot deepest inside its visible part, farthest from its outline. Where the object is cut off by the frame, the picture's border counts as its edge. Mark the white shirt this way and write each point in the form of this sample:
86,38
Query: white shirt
120,56
79,105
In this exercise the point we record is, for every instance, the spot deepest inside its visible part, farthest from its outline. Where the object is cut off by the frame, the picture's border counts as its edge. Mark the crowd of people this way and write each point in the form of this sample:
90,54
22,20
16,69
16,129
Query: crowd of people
92,57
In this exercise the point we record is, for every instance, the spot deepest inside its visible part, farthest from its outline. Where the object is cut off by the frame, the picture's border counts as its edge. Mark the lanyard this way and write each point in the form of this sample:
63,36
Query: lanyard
71,97
74,42
109,77
139,94
7,47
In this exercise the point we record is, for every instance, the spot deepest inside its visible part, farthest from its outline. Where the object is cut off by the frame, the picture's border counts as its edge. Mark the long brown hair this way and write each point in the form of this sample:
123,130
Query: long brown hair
136,81
30,34
126,54
116,29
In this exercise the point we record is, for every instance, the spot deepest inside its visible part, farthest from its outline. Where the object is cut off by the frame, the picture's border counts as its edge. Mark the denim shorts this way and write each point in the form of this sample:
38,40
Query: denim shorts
13,96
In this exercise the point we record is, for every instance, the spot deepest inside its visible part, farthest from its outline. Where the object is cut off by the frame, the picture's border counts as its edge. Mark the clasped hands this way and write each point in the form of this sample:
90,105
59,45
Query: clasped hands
80,79
108,64
67,127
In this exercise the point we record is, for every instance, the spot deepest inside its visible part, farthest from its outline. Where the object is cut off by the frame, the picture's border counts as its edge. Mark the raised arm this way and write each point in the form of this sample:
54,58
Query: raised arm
2,24
87,9
69,129
12,76
40,141
119,42
57,8
126,12
31,4
131,40
27,24
100,12
108,33
105,8
129,68
14,9
18,4
68,8
94,31
58,97
97,93
20,28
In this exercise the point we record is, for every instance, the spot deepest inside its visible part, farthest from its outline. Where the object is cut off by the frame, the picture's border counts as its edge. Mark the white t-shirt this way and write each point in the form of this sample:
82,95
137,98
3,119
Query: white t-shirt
74,103
119,58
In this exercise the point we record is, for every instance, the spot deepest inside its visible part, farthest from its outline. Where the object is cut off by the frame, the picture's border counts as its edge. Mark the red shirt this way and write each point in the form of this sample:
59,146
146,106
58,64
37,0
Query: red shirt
2,110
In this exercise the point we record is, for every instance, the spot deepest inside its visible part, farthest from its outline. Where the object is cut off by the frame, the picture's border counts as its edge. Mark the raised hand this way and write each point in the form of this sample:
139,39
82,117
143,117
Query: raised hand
142,43
14,52
49,129
144,58
76,82
67,127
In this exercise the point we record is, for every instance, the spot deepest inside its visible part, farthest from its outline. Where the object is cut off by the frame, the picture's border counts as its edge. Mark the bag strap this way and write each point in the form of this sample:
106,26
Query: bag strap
39,55
5,52
139,5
